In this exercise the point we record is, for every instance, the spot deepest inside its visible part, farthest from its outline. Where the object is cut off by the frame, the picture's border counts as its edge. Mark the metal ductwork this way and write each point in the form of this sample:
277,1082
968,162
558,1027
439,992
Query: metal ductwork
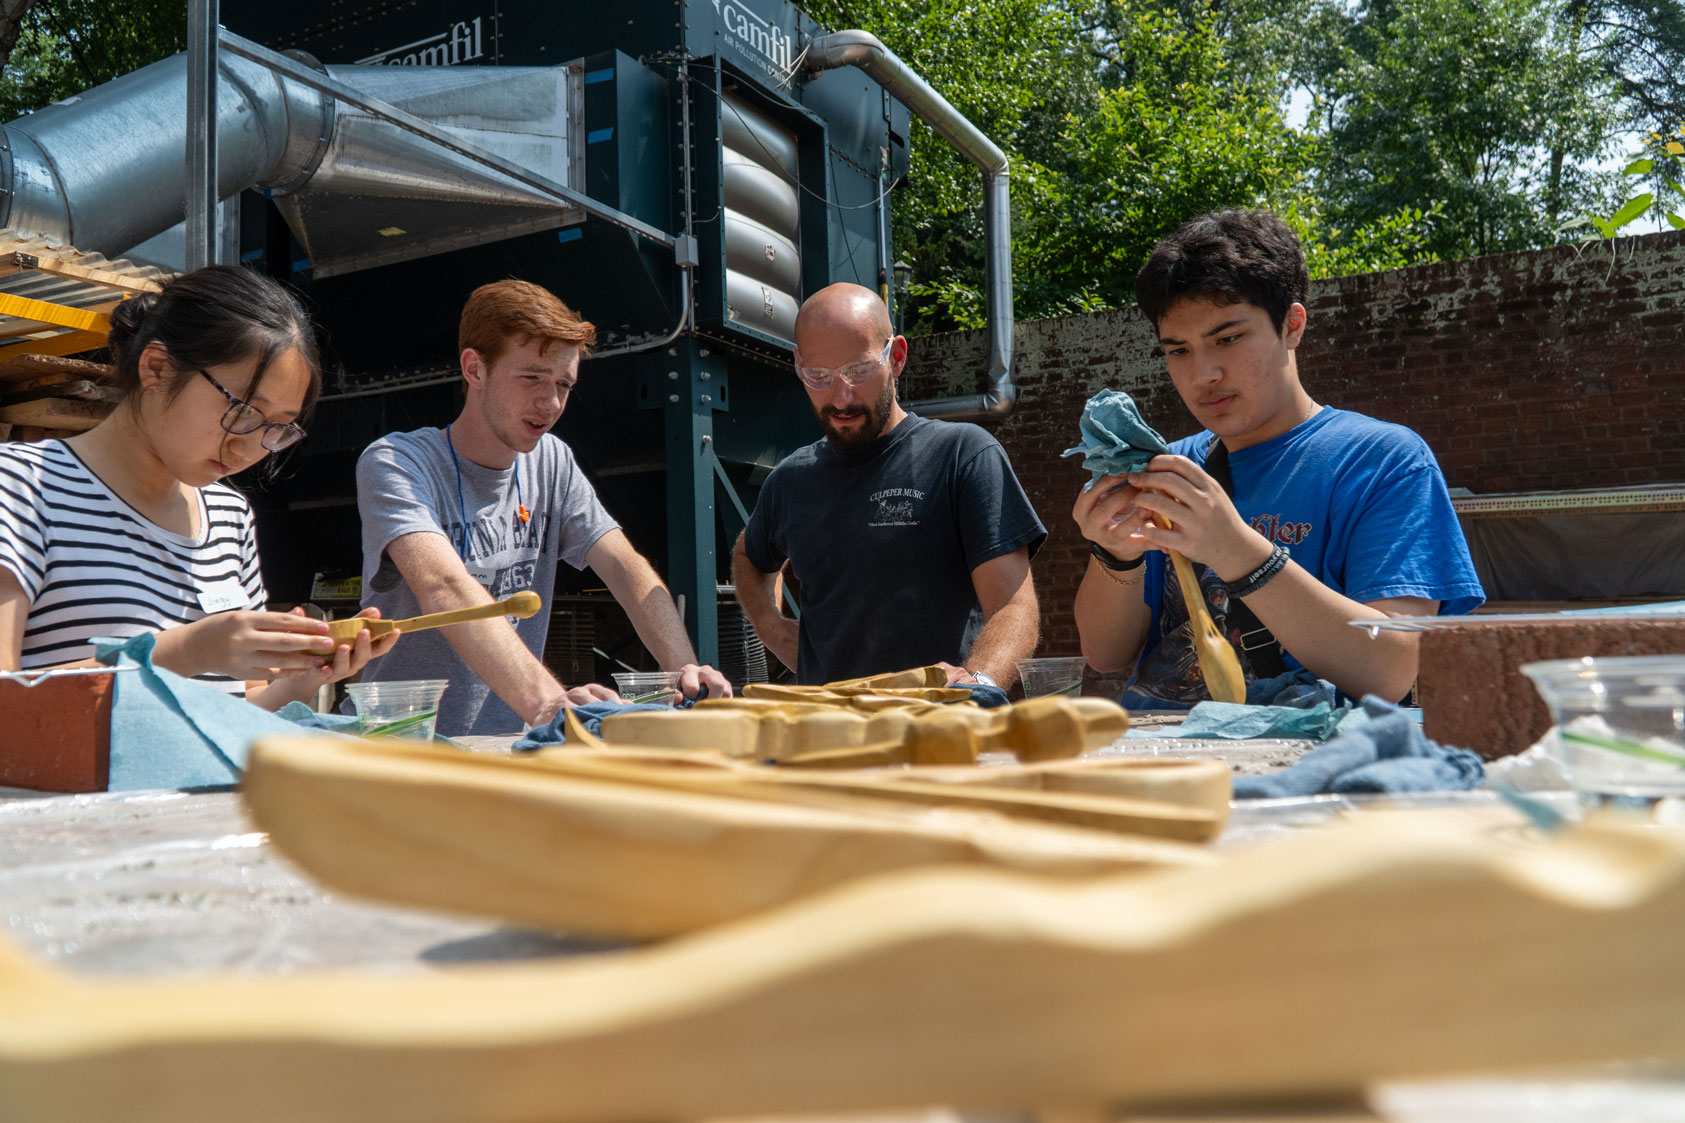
863,50
380,194
104,170
762,215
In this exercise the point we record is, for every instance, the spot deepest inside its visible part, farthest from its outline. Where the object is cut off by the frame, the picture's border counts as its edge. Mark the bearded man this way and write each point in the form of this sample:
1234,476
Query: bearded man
910,538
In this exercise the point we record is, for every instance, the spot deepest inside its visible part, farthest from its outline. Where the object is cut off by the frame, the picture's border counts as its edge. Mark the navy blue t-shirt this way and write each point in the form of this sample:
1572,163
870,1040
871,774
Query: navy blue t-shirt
883,542
1360,503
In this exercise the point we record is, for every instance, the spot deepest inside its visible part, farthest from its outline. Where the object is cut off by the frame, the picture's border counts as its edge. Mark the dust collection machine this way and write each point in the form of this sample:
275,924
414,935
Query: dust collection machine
683,172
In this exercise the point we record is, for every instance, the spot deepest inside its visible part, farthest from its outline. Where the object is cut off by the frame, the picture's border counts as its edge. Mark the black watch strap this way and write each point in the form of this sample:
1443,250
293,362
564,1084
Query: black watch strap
1106,558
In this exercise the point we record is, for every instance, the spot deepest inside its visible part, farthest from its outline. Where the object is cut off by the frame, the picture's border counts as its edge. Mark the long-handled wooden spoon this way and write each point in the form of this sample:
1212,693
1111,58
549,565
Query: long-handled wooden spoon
1218,664
522,604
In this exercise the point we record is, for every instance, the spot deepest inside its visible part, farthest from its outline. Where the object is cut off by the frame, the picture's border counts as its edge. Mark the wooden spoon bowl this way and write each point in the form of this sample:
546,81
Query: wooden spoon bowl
1219,666
521,605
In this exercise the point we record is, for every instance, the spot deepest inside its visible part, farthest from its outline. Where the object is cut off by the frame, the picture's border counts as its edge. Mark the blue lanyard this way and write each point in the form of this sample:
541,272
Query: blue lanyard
462,508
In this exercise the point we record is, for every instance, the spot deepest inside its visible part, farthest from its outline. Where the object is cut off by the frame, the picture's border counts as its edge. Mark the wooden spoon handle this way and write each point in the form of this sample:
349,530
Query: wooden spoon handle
522,604
1219,666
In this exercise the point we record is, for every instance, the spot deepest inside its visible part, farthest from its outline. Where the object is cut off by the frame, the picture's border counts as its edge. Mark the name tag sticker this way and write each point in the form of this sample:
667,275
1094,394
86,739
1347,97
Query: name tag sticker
222,596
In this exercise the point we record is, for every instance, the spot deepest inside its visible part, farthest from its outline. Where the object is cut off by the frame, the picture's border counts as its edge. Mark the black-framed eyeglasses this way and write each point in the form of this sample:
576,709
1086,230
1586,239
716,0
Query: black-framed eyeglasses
243,417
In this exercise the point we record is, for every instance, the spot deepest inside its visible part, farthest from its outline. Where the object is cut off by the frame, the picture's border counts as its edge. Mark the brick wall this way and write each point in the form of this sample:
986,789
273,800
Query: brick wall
1560,368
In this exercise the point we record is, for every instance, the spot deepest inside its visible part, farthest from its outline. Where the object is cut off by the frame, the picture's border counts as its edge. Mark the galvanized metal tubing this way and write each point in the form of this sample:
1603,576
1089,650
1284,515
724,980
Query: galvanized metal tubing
863,50
104,170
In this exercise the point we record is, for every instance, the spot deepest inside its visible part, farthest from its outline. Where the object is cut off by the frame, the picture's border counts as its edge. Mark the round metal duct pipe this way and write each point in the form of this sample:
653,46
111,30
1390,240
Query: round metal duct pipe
104,170
863,50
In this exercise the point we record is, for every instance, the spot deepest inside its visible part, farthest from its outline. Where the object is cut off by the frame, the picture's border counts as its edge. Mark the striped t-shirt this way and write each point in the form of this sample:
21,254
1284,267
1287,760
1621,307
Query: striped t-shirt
92,566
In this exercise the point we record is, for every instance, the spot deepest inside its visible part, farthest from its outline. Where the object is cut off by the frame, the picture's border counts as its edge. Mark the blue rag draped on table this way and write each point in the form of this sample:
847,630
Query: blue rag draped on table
1379,748
168,731
1293,704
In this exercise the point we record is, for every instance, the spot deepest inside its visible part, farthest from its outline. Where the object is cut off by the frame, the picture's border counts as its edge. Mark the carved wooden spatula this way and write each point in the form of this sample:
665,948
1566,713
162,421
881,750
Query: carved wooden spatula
522,604
1218,663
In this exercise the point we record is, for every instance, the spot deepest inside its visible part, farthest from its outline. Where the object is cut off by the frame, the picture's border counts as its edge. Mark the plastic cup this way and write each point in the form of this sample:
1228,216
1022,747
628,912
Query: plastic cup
1618,724
408,708
1051,676
650,688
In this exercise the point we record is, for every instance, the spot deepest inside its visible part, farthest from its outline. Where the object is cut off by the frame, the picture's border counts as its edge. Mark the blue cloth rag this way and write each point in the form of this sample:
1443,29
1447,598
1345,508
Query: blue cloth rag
1379,748
1115,441
1232,721
590,715
989,697
1293,704
301,715
168,731
1298,688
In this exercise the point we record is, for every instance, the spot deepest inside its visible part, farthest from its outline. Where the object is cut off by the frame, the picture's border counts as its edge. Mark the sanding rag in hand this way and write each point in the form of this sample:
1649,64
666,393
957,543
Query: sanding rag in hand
1115,441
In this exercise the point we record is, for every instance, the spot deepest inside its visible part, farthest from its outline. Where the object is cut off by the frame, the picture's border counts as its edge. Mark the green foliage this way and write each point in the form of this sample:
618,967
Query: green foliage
1457,106
1122,121
1666,166
1437,128
1640,46
1175,139
1005,65
66,46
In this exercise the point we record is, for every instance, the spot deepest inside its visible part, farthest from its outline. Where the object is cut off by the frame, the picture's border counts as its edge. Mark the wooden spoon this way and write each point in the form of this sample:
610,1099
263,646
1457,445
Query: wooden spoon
1219,666
522,605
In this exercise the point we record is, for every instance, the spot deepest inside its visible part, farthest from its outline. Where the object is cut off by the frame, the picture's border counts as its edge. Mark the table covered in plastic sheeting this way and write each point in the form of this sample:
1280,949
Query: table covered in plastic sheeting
174,883
171,883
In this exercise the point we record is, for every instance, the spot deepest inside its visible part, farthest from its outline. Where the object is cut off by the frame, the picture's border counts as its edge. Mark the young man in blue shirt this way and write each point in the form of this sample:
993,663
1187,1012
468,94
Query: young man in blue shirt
1301,517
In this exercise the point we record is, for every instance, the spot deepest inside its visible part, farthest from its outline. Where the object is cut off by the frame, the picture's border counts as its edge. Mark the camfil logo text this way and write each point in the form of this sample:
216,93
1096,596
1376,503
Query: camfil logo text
464,42
756,33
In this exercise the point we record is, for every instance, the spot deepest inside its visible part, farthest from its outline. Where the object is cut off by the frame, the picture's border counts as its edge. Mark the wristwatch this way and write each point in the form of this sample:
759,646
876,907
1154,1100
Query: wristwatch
983,677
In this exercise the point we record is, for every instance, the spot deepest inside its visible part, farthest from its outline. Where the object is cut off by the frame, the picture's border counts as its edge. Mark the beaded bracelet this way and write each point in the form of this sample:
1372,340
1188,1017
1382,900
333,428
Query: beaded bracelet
1258,578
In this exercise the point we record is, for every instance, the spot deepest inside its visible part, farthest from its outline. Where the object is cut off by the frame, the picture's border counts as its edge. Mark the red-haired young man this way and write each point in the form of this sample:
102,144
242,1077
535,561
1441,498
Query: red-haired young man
486,507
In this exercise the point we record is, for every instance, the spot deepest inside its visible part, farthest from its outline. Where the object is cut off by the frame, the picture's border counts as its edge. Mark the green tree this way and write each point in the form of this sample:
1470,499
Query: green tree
1122,121
1640,45
1174,137
66,46
1011,67
1484,113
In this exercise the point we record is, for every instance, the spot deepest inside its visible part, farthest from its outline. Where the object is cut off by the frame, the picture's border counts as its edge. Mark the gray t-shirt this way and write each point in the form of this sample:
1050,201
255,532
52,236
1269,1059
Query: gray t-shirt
884,540
409,483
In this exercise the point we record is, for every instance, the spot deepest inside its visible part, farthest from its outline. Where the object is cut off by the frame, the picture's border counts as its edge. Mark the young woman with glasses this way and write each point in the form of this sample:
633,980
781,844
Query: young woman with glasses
128,528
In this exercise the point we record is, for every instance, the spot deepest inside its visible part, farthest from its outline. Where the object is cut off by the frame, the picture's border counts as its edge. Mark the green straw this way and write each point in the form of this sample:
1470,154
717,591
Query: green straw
1071,689
664,692
402,725
1640,751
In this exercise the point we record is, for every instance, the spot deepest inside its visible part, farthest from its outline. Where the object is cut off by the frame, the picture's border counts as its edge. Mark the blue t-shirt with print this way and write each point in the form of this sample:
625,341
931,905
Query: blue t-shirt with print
1360,503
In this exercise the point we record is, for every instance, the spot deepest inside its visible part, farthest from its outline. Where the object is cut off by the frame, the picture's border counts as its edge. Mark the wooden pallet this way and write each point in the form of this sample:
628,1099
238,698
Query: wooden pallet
54,302
61,415
63,395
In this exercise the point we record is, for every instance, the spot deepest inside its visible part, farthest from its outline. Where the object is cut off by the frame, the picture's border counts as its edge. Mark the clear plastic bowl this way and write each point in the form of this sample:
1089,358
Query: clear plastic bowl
1061,675
1618,724
651,688
406,708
